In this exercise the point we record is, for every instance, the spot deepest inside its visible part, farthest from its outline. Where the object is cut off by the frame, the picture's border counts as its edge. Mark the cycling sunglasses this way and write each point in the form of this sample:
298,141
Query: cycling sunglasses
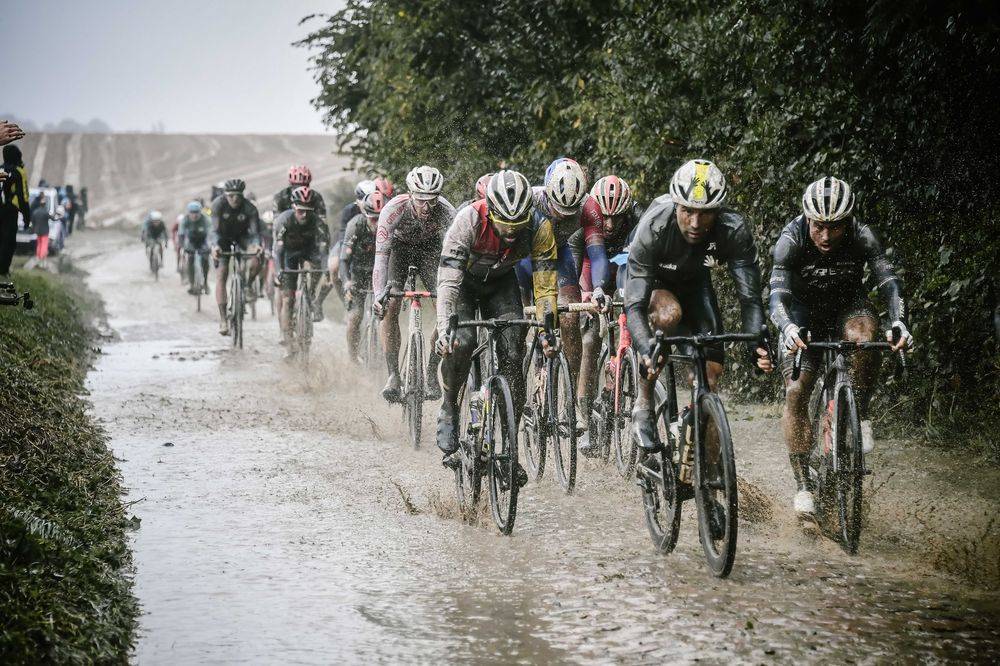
509,225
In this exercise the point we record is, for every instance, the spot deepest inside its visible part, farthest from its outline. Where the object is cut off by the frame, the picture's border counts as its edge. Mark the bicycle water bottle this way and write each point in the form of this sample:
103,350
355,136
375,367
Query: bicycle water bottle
475,408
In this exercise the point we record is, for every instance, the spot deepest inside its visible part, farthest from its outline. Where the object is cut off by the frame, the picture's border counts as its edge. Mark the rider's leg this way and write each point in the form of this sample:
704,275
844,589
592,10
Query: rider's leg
428,275
221,275
865,368
389,329
354,317
504,300
454,371
664,315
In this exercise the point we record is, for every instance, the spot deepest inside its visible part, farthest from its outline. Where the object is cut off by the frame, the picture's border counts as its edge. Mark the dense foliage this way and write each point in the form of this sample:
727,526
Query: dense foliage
903,103
65,566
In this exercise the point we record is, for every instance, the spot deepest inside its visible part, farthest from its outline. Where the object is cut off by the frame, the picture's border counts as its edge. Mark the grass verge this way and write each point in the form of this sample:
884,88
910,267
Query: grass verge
65,564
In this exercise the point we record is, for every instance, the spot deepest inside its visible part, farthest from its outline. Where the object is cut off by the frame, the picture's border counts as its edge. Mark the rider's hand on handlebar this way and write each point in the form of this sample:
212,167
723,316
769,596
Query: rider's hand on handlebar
548,342
793,342
905,339
446,343
378,308
600,299
764,360
216,251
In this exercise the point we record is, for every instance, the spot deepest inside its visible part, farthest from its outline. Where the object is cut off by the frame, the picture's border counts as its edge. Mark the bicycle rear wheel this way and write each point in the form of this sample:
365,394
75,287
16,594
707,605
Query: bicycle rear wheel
468,479
715,487
627,388
562,406
502,468
532,429
413,387
849,470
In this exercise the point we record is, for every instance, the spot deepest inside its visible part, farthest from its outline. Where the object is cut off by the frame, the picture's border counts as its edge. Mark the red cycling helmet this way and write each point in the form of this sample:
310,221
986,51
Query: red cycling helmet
384,185
613,195
481,184
303,197
299,174
373,203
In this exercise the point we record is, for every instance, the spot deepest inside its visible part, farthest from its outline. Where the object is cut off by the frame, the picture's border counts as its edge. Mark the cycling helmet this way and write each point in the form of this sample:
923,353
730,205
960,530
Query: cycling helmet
613,195
299,174
194,207
565,185
424,182
384,185
303,197
267,217
155,215
828,199
482,184
698,184
373,203
508,197
363,189
235,185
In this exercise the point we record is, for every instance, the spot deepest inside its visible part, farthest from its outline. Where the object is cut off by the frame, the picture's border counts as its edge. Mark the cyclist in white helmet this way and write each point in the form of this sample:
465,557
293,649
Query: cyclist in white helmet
410,230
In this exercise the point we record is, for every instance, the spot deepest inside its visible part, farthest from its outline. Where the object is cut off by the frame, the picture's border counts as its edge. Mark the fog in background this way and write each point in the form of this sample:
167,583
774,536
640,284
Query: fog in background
188,66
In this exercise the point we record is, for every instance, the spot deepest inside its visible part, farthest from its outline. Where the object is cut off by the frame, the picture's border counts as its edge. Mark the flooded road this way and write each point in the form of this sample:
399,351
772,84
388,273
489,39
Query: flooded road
284,520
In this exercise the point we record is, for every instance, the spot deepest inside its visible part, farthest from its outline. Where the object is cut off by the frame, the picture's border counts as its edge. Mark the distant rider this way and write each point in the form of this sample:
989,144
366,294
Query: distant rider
357,260
236,228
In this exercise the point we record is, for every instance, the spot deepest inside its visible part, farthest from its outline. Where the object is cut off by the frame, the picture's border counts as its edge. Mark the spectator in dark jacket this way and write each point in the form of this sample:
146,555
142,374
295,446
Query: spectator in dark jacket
40,223
13,201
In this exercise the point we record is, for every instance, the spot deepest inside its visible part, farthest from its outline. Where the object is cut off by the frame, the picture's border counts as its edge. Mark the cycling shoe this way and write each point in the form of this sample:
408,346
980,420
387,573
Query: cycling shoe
391,390
644,430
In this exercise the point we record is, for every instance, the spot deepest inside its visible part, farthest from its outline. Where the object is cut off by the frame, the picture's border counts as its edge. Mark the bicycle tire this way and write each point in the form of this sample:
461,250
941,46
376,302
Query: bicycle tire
627,389
602,409
849,470
532,430
501,471
303,319
468,480
199,278
720,549
235,307
562,398
413,388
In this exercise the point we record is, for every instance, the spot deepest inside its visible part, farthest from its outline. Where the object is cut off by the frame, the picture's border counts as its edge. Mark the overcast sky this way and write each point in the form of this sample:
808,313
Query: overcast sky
195,65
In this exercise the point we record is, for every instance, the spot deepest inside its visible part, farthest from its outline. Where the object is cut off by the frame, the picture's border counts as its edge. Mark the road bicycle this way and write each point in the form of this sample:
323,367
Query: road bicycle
154,254
697,460
838,459
549,414
369,351
199,285
236,310
414,360
302,312
487,443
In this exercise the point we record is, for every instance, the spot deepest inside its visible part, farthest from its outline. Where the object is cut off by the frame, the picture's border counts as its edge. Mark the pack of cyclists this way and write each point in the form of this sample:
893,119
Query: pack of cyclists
514,244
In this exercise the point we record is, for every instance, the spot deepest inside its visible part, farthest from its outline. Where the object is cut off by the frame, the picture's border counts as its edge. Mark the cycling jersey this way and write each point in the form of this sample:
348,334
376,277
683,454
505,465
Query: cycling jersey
349,212
235,226
154,230
804,276
398,226
196,234
660,258
589,221
357,256
474,251
614,243
283,201
308,238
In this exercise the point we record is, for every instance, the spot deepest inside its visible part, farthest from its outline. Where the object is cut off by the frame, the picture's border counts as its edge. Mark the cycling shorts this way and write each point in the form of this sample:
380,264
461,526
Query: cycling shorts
699,315
825,322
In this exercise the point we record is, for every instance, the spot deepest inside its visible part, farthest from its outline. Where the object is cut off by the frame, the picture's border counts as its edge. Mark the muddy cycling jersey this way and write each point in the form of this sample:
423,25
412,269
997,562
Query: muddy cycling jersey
196,234
399,226
660,258
239,226
283,201
474,251
154,230
804,275
349,212
306,239
357,254
588,221
614,244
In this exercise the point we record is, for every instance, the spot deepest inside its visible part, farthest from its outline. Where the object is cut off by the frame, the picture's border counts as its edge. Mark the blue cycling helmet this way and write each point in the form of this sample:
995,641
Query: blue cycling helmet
194,207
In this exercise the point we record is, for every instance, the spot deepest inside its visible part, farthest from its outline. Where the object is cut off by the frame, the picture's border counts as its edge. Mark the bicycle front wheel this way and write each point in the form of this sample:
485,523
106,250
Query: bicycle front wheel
413,387
715,487
626,388
533,432
502,470
303,326
849,470
236,310
562,416
602,409
468,479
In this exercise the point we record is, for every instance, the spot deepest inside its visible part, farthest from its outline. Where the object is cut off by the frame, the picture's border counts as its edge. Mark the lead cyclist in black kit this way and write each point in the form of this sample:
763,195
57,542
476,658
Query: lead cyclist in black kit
817,282
236,225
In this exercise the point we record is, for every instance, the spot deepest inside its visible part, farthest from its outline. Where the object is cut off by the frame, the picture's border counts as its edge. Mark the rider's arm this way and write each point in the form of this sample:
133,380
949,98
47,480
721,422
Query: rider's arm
279,249
785,253
544,255
216,221
455,252
387,221
642,261
592,223
347,253
887,282
253,226
745,271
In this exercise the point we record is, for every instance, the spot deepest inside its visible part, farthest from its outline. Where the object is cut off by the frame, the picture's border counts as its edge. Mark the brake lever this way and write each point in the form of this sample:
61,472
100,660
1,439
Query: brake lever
797,362
650,371
765,342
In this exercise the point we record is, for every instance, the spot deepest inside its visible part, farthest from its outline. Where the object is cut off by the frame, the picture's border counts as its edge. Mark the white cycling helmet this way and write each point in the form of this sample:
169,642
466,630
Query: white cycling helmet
508,196
155,215
363,189
828,199
424,182
565,185
698,184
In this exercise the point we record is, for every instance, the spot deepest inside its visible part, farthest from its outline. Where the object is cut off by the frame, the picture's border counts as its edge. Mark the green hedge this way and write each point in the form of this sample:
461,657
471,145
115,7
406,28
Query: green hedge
900,101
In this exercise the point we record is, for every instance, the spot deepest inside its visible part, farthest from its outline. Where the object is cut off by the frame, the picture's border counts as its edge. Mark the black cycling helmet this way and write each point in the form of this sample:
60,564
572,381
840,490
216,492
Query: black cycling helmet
234,185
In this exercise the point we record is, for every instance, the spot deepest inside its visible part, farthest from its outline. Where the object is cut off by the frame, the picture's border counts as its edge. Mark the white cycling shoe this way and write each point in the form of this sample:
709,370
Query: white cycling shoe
867,438
804,503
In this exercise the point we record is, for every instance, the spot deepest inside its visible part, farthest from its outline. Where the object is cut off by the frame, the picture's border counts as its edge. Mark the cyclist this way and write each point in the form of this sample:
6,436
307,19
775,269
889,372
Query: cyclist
410,230
302,239
350,211
299,175
817,282
619,215
480,191
682,235
195,235
481,248
357,260
154,230
236,227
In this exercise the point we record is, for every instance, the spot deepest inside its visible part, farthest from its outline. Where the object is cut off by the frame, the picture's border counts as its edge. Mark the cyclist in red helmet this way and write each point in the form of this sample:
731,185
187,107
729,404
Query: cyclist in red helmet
299,175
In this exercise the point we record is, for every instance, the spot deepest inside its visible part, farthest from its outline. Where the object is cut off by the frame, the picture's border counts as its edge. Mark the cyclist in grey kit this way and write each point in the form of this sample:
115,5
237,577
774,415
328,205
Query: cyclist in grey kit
357,258
237,227
817,283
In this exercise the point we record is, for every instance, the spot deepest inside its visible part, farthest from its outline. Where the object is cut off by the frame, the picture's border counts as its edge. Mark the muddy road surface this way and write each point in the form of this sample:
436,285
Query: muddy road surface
284,520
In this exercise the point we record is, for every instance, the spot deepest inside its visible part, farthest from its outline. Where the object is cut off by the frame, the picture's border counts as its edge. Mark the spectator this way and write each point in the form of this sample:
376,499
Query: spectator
9,132
81,209
40,221
67,205
13,201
